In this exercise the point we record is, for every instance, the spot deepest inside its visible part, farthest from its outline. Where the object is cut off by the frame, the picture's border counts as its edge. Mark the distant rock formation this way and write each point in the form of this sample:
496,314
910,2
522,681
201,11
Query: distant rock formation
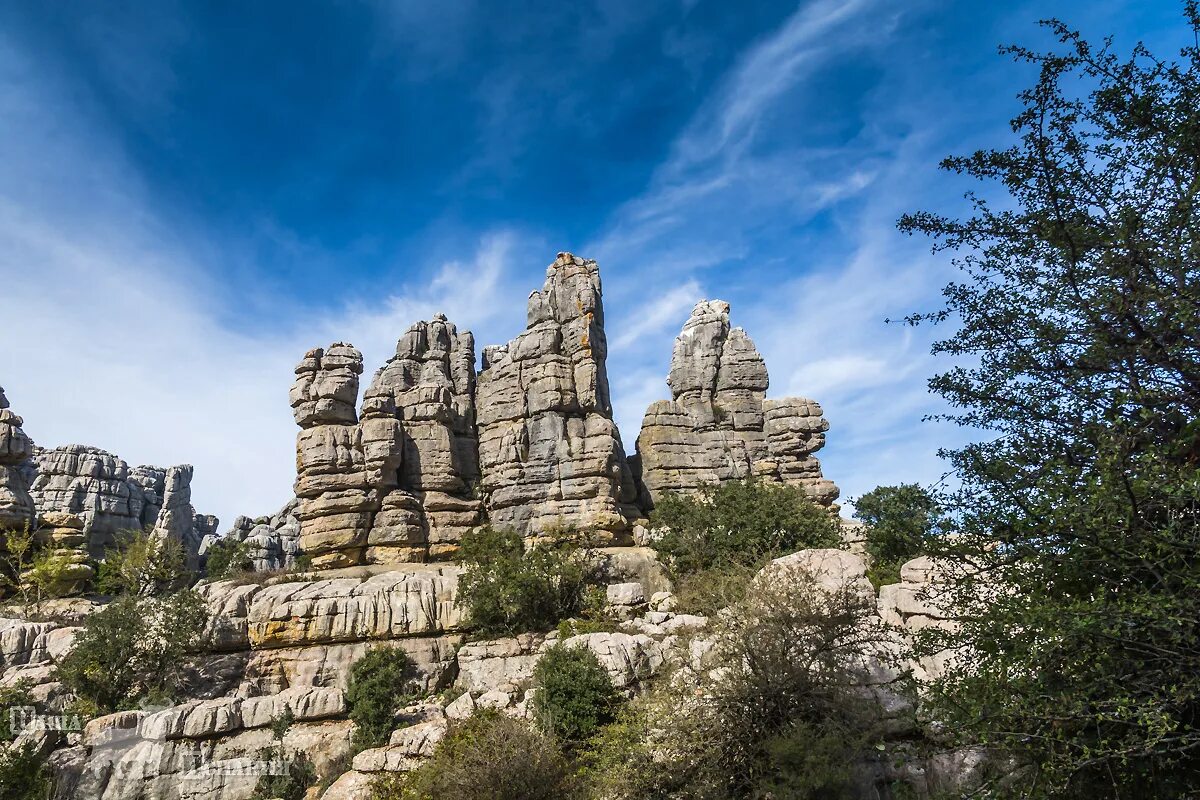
272,543
76,499
16,504
550,451
718,426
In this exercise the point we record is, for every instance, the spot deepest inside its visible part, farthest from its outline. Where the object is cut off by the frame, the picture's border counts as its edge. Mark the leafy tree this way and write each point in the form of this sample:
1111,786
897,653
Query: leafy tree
227,558
380,683
739,522
508,589
130,651
143,565
900,520
1078,534
487,757
574,695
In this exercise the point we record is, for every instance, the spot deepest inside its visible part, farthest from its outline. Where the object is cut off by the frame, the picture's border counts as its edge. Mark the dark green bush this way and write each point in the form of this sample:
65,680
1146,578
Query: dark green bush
381,682
227,558
738,522
488,757
23,774
574,695
131,651
900,520
506,588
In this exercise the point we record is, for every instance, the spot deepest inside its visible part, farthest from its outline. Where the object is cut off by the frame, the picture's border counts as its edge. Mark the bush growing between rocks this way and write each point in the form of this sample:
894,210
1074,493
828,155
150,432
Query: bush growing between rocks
779,714
142,565
30,573
380,683
298,771
738,522
900,520
226,559
574,695
507,588
23,773
131,651
487,757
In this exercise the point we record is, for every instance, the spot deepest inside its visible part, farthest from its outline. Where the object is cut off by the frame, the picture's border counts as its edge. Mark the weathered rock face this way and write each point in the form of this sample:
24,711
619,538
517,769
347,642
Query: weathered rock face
718,426
429,387
16,505
272,543
108,496
549,450
339,471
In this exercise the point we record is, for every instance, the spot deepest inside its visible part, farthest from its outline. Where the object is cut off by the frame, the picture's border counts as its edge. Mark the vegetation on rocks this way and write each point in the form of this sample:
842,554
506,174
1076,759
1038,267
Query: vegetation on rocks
30,573
381,682
130,651
899,520
715,540
23,773
574,695
507,588
486,757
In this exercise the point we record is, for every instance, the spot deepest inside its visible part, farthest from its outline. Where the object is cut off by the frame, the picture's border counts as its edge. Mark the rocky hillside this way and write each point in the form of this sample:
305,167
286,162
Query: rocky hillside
365,555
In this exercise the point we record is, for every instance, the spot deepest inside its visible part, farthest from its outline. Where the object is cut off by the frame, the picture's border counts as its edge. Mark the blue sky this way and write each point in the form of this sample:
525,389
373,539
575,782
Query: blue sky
193,194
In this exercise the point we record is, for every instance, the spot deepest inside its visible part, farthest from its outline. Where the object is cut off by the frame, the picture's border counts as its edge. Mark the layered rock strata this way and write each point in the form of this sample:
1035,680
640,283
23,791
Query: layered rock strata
429,387
342,466
550,453
16,504
719,426
272,543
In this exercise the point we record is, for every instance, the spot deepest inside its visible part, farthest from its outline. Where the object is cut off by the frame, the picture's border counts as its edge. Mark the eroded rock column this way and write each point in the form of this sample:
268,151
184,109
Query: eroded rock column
16,504
550,453
340,469
718,426
429,386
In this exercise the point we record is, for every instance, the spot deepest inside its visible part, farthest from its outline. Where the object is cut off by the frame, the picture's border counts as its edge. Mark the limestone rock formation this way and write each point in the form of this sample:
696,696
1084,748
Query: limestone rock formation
549,450
429,386
340,470
16,505
108,496
272,543
719,426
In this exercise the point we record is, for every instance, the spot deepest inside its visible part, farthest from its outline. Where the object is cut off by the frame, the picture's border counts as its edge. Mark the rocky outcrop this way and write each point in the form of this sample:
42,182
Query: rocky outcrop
719,426
108,496
341,466
550,453
16,505
429,387
271,543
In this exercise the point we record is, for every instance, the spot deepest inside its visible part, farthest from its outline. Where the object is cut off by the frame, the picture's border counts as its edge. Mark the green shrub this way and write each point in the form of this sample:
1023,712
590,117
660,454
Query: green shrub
574,695
738,522
708,591
900,520
506,588
779,715
16,696
298,773
131,651
487,757
32,573
143,565
23,774
227,558
380,683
